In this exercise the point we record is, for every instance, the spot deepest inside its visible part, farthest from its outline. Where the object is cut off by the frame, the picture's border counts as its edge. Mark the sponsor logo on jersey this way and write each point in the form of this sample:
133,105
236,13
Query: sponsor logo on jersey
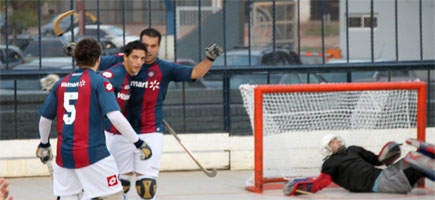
76,84
112,180
151,73
154,85
109,87
107,74
123,96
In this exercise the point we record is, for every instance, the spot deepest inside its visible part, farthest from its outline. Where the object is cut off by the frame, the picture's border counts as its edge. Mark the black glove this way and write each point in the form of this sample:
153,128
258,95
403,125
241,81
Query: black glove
44,152
69,50
213,51
145,150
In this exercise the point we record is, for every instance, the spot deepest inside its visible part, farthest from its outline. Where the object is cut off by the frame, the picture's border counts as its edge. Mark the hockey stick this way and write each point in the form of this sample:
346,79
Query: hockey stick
210,173
58,30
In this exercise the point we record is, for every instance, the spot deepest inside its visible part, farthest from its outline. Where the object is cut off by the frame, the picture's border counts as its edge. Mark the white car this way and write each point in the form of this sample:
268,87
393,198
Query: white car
114,33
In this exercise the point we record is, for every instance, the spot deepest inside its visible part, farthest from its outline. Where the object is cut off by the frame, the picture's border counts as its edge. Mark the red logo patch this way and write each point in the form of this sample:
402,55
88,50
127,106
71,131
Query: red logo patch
112,180
109,86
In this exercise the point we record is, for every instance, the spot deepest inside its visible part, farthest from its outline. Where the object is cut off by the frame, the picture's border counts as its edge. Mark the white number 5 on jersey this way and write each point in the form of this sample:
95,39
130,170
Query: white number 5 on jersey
70,116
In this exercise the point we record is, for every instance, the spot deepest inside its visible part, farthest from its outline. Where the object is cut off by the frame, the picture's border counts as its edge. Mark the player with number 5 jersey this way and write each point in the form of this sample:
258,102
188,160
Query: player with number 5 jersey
81,101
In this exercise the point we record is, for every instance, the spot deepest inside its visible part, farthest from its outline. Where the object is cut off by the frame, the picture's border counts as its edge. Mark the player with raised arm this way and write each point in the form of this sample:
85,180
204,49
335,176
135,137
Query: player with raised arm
80,101
144,109
357,169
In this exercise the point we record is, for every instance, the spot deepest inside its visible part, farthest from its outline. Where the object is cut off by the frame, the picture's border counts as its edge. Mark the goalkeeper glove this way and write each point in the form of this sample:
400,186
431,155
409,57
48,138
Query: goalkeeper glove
303,184
213,51
145,150
44,152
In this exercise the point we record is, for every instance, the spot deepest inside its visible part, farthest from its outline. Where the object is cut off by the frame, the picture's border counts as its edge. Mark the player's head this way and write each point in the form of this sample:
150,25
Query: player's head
151,38
87,53
331,144
134,56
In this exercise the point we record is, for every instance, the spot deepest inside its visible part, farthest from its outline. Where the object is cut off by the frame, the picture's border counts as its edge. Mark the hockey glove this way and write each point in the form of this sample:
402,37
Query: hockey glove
44,152
69,50
145,150
213,51
303,184
48,82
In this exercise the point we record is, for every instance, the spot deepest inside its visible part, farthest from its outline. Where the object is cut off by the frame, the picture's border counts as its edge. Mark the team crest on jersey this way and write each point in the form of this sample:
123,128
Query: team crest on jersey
109,86
112,180
107,74
151,73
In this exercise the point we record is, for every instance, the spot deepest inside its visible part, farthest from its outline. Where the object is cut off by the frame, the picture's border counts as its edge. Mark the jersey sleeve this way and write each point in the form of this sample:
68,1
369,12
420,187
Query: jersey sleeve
106,96
49,107
109,61
181,72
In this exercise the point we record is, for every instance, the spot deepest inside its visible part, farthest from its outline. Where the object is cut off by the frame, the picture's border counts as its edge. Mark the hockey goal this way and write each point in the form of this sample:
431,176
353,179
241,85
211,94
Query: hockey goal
289,121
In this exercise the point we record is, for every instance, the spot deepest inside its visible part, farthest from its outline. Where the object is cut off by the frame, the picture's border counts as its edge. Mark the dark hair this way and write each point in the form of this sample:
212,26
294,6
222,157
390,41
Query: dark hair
87,52
134,45
150,32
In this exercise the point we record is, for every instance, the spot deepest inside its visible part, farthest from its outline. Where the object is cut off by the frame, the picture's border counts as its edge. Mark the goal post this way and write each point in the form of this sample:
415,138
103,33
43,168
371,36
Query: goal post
289,121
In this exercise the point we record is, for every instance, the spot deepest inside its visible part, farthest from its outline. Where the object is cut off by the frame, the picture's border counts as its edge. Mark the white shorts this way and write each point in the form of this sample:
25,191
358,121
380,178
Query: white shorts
127,157
98,179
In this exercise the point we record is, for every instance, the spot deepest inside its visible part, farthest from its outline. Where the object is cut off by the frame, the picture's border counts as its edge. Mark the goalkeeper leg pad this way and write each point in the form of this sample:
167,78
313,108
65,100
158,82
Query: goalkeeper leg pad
421,163
389,153
146,188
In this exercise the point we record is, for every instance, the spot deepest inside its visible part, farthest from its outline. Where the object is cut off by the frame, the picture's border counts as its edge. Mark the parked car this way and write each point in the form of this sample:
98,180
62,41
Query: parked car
53,56
110,32
263,56
259,57
10,58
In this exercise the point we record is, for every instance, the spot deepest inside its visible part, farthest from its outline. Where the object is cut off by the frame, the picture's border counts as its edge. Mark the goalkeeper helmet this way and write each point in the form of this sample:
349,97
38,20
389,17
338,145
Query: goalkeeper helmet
326,149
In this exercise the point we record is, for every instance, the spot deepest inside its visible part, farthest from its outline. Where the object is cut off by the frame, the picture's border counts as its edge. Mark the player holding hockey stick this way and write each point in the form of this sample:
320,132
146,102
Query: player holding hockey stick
354,168
144,108
81,101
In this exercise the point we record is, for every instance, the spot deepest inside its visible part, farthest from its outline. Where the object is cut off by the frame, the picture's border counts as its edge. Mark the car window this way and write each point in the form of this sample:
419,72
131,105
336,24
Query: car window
49,48
237,60
275,58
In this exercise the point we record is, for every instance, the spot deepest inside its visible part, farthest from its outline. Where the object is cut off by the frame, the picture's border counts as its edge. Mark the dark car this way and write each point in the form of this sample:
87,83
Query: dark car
257,57
10,58
241,57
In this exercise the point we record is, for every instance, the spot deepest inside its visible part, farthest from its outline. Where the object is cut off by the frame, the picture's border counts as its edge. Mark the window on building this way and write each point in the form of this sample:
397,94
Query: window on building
363,21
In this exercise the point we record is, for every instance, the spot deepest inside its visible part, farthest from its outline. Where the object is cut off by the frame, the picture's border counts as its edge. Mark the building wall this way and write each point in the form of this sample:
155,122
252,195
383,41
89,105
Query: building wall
384,35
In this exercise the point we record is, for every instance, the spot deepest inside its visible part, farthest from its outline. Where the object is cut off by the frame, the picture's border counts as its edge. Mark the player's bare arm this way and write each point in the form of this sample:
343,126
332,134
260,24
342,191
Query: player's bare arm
212,52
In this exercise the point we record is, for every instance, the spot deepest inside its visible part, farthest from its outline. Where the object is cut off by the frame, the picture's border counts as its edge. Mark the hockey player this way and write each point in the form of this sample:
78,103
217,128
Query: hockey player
80,101
354,168
144,109
120,77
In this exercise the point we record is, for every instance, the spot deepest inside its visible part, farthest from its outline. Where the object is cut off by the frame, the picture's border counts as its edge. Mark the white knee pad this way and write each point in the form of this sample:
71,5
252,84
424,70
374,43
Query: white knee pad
146,187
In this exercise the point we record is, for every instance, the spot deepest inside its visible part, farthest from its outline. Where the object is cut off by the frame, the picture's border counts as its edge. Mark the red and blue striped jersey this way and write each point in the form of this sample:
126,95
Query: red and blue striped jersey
120,79
80,102
148,91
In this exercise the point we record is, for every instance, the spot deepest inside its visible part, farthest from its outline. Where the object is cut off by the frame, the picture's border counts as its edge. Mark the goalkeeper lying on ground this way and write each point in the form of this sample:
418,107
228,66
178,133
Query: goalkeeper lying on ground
355,169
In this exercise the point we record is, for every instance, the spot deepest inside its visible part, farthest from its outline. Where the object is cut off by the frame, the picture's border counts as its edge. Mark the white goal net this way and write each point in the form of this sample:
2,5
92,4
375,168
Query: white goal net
290,121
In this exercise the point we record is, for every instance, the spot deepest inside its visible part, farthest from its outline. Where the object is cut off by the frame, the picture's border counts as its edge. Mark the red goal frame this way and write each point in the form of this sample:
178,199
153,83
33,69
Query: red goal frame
259,180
